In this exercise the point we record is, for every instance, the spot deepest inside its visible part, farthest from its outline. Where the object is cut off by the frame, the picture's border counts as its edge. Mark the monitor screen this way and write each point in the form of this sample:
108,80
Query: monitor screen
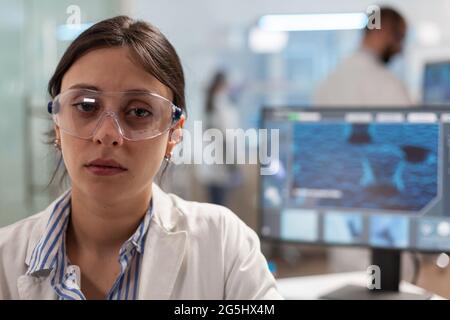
366,178
436,83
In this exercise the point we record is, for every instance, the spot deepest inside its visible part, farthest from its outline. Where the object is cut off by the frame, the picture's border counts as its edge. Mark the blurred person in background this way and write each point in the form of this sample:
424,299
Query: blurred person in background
363,79
220,114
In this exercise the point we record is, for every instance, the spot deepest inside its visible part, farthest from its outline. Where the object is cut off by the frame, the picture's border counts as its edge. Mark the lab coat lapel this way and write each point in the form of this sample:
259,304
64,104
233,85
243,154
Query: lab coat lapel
161,263
35,288
164,249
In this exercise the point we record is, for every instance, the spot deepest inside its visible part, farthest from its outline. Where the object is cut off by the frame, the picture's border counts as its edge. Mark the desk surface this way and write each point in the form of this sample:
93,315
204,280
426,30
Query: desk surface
313,287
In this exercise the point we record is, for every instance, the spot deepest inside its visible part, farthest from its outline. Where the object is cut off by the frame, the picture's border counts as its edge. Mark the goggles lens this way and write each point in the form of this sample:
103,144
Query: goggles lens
139,115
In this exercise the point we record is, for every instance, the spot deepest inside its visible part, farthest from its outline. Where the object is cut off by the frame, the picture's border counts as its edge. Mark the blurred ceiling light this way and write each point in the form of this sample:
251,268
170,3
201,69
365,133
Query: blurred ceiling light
68,32
429,34
313,22
262,41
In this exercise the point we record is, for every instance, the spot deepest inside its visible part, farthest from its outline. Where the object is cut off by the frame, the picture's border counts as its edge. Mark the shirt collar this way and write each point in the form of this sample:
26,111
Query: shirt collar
138,238
45,252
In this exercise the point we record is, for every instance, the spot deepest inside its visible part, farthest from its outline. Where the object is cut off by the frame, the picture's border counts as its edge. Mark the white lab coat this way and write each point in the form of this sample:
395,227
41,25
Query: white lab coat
192,251
362,80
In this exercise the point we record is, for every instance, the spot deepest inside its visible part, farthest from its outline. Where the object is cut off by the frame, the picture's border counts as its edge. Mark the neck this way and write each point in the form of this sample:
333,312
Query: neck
373,47
99,227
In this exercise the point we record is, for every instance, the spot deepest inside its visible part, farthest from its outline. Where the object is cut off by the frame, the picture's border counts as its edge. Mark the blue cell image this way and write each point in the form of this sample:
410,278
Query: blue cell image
372,166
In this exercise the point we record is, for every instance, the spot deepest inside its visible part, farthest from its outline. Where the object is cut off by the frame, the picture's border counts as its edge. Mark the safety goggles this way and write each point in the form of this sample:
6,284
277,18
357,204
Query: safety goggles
138,115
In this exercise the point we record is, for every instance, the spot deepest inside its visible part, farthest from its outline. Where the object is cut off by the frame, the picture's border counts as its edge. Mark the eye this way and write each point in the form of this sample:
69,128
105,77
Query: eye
85,107
139,113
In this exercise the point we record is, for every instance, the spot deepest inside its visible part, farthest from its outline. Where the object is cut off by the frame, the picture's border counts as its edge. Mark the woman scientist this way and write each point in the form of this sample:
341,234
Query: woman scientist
118,108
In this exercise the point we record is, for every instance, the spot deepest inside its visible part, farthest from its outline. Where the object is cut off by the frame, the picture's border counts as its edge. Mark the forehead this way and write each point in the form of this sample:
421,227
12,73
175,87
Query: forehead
112,69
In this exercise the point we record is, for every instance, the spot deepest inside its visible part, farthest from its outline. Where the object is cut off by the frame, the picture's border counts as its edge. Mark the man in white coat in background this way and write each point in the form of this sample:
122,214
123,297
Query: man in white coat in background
363,80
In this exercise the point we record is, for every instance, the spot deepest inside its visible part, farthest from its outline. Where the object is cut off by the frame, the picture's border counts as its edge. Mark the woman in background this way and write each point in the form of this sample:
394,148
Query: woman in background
220,114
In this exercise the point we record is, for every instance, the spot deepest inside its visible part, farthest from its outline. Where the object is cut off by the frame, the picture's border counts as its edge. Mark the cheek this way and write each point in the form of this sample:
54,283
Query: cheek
149,155
72,151
144,157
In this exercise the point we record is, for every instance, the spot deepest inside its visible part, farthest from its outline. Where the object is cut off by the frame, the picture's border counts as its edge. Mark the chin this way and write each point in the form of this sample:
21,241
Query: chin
106,190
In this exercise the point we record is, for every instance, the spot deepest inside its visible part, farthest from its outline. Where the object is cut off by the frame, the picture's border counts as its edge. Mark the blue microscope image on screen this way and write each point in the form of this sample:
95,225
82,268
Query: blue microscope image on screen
373,166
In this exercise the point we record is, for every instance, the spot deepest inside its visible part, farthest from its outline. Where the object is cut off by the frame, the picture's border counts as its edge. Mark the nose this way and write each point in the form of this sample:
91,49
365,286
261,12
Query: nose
108,131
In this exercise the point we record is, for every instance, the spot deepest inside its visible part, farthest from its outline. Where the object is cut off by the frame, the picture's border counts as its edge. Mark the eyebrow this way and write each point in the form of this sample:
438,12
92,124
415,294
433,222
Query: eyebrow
84,86
92,87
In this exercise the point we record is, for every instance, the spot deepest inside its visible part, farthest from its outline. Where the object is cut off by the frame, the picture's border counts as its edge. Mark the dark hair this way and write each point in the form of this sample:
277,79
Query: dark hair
218,79
149,47
390,16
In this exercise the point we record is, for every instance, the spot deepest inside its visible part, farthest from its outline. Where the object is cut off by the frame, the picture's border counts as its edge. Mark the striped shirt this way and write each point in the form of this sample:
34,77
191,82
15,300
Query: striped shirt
50,255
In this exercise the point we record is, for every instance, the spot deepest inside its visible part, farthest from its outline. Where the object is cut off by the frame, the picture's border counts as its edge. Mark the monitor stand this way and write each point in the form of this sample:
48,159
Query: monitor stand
389,263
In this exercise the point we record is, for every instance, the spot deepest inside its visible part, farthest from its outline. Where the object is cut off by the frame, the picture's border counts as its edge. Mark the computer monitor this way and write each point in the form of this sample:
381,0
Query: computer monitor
436,83
372,177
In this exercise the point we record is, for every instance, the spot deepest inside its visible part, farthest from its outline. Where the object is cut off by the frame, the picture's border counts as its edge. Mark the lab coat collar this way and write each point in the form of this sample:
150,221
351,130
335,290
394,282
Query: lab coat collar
32,287
165,246
164,249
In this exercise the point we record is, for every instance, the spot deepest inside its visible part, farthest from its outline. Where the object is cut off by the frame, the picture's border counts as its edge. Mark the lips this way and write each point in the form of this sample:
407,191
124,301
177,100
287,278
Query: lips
105,167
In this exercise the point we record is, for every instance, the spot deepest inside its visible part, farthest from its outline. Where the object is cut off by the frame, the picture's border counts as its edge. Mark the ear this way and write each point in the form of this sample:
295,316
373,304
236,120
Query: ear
175,135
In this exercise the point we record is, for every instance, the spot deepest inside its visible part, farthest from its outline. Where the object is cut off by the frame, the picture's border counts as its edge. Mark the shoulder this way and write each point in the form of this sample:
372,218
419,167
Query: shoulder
225,249
215,227
198,212
14,239
206,218
17,239
16,230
